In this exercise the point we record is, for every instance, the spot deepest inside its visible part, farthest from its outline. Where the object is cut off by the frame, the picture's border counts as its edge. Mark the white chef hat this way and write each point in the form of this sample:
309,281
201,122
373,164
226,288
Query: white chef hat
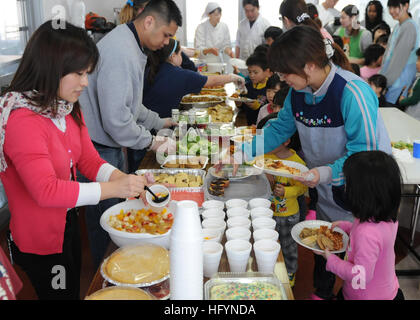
211,6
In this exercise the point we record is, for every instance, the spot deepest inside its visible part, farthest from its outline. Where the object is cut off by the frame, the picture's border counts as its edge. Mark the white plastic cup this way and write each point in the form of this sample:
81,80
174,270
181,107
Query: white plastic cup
211,204
268,234
158,188
213,213
238,222
238,252
212,235
261,212
238,233
266,253
263,223
214,223
212,252
259,203
233,203
238,212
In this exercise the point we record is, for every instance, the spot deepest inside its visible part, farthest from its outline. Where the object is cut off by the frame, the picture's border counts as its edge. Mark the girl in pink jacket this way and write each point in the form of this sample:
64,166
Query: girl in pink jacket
372,194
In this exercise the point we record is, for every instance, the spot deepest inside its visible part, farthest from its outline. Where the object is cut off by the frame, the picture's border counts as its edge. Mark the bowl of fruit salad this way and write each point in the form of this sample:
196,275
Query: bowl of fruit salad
132,222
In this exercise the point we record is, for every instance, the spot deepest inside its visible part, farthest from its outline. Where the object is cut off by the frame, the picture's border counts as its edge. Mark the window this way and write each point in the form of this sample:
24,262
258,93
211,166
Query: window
269,9
195,10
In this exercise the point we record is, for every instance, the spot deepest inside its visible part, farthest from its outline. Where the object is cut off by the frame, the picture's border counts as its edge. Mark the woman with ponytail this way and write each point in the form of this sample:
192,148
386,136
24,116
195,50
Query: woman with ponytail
295,12
335,113
356,39
166,82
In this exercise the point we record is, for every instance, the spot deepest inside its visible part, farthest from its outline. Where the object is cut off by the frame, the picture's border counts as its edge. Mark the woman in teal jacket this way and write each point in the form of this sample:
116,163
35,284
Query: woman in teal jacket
336,114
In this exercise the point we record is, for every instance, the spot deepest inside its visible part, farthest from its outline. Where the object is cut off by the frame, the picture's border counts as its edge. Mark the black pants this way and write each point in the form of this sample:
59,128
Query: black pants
55,276
323,280
399,296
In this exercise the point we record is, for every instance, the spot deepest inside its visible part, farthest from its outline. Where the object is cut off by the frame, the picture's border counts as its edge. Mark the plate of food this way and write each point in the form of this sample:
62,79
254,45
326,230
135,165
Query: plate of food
227,172
282,168
317,235
242,138
238,98
215,88
239,63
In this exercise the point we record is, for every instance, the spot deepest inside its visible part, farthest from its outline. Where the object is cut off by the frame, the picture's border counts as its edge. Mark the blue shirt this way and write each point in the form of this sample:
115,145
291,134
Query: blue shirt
170,85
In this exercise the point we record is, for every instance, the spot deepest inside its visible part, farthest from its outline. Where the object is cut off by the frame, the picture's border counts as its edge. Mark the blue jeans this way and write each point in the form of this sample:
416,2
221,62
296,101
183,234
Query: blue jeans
134,158
98,237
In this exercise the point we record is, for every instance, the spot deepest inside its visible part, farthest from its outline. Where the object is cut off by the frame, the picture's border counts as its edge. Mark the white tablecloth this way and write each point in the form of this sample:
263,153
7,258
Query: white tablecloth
401,126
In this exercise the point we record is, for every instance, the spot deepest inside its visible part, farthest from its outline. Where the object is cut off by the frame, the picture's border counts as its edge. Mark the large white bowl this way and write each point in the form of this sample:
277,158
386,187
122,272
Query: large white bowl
122,238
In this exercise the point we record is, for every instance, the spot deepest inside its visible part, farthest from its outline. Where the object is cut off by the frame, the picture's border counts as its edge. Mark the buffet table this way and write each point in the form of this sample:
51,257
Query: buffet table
149,162
401,126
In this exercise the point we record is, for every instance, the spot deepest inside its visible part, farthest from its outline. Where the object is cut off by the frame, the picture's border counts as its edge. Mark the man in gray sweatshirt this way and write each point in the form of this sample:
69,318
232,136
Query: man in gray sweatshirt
112,103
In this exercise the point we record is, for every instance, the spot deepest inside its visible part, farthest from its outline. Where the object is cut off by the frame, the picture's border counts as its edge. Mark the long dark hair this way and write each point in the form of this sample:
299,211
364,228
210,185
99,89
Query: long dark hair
379,14
51,54
351,11
300,45
157,58
293,9
373,186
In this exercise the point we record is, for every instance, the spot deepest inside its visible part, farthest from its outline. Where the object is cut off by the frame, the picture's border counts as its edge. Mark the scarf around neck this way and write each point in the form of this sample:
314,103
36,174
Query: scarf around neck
15,100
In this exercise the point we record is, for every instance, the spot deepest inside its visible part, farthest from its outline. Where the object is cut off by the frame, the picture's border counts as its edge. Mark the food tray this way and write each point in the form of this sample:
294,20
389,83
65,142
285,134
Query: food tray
183,158
227,171
255,186
291,164
194,172
245,278
205,104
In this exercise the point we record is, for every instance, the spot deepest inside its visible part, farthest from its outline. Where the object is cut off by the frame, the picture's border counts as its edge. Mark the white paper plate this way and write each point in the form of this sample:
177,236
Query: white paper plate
239,63
242,99
292,164
296,230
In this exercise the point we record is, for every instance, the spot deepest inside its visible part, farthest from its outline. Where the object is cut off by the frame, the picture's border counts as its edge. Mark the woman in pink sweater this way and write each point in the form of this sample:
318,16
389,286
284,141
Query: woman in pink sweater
43,140
372,194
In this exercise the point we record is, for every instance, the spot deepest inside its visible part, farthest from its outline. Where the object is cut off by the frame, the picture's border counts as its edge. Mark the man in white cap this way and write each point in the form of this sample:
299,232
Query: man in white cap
212,37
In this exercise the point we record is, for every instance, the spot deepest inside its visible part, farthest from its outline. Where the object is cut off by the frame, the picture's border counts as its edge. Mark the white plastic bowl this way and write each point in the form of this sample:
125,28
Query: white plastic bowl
122,238
263,223
259,202
238,212
213,213
158,188
261,213
233,203
210,204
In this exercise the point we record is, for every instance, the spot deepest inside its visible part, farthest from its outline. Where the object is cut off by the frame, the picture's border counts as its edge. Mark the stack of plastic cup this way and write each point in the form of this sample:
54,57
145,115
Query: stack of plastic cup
186,253
266,253
238,252
212,252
